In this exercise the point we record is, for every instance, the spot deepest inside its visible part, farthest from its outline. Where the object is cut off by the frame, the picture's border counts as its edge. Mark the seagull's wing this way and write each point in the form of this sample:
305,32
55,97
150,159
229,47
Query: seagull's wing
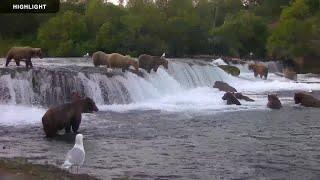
75,156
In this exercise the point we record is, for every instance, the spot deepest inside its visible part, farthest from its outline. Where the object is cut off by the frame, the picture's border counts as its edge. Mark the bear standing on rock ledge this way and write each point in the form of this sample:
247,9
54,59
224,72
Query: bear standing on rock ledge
259,69
148,62
23,54
116,60
100,58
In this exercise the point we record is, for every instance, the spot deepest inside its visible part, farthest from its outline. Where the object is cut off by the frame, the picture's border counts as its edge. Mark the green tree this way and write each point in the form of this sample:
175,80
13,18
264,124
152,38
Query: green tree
296,34
62,34
240,34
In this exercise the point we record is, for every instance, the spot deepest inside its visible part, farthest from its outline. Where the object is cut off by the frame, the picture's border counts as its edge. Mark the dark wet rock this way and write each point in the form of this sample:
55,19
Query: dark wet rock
222,86
234,71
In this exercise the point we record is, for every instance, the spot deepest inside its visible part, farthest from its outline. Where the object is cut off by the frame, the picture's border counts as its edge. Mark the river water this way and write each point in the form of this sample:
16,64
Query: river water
166,125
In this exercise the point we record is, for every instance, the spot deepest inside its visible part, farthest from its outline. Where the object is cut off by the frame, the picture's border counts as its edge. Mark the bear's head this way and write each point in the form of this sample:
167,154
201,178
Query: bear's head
164,62
75,96
251,66
37,52
272,97
134,63
90,106
227,96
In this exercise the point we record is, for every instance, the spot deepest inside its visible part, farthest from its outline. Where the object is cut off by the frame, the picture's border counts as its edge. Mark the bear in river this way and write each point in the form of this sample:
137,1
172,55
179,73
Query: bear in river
274,102
67,116
306,99
259,69
231,99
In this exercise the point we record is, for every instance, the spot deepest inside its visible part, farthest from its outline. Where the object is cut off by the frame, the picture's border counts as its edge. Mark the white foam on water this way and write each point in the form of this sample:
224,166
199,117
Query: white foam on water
181,88
195,100
14,115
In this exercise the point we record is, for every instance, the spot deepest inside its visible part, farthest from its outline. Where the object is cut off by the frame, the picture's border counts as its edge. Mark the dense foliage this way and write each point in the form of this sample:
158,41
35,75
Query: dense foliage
277,28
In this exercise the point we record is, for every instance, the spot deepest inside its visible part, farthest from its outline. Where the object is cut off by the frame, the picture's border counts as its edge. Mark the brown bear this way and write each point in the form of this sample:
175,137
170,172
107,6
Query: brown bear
116,60
274,102
23,54
148,62
259,69
66,116
100,58
231,99
241,96
75,96
222,86
306,99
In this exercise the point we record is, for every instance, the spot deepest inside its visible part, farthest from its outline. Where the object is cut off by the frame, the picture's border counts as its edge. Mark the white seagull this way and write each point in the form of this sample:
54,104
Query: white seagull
86,55
75,157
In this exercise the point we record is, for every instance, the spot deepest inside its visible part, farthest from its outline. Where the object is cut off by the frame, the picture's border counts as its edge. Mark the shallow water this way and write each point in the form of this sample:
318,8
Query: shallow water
155,144
168,125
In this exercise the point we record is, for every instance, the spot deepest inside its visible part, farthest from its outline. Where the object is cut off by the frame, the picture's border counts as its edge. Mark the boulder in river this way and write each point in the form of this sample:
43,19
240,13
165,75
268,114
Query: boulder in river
234,71
222,86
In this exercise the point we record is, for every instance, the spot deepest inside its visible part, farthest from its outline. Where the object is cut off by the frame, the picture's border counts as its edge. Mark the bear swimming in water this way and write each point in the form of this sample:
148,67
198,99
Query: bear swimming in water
66,116
259,69
23,54
100,58
231,99
148,62
222,86
274,102
306,99
116,60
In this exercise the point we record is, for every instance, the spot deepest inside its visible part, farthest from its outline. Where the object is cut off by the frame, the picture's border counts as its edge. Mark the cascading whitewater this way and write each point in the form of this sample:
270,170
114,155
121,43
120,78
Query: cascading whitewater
53,85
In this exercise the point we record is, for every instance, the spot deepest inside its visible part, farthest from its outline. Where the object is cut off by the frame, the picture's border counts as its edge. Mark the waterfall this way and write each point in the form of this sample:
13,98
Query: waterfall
52,85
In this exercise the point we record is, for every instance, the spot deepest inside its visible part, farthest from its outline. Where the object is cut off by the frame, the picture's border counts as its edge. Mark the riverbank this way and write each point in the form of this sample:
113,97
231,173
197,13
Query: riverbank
20,168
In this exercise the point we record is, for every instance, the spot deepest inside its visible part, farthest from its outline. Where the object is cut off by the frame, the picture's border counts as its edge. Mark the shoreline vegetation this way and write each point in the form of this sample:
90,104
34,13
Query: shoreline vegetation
245,29
20,168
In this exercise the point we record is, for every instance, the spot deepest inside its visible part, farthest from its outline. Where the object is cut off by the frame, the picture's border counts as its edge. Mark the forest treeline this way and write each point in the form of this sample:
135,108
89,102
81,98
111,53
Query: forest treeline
237,28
